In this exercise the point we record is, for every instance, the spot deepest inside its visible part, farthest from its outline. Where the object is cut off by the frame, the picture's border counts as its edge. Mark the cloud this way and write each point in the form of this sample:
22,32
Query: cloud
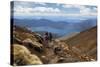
67,6
41,3
83,10
45,9
95,8
32,9
20,10
88,11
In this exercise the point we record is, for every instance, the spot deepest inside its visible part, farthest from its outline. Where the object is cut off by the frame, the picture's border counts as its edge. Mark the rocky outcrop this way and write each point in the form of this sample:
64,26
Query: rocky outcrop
22,56
33,44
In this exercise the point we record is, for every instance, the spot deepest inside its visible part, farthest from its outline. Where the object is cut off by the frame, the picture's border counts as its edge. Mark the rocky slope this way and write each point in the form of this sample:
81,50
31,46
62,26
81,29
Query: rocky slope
85,43
26,44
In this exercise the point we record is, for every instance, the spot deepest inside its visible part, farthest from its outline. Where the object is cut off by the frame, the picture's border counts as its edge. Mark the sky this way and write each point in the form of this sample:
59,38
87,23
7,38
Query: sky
22,9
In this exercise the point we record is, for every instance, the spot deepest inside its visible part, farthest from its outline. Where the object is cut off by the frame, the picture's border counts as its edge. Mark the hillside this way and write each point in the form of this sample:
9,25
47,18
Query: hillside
28,46
85,43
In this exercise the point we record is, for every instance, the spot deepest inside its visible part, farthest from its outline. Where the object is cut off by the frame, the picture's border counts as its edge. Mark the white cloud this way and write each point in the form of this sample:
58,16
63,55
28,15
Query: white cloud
95,9
67,6
41,3
46,11
19,10
83,10
73,6
88,11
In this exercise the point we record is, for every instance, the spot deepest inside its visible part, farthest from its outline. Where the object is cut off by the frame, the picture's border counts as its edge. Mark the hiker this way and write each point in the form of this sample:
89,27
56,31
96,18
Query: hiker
50,36
46,39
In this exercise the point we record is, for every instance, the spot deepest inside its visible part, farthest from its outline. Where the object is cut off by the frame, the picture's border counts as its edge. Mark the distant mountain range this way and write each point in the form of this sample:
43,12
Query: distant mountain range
57,27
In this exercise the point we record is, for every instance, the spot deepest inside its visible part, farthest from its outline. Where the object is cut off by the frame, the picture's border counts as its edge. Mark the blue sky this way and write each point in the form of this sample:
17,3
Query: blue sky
35,9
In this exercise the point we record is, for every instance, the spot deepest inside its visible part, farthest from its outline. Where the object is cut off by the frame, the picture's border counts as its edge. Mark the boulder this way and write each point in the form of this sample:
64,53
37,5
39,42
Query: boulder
22,56
33,44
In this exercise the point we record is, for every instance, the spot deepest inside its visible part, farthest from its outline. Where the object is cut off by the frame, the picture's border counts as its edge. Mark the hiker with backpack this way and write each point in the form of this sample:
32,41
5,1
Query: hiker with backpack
46,39
50,36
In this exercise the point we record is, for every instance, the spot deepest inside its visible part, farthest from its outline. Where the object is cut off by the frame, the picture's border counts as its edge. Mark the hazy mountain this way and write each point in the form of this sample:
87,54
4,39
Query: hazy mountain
58,27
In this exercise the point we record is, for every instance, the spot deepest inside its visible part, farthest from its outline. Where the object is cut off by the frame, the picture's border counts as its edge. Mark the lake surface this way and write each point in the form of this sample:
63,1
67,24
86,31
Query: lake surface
60,28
